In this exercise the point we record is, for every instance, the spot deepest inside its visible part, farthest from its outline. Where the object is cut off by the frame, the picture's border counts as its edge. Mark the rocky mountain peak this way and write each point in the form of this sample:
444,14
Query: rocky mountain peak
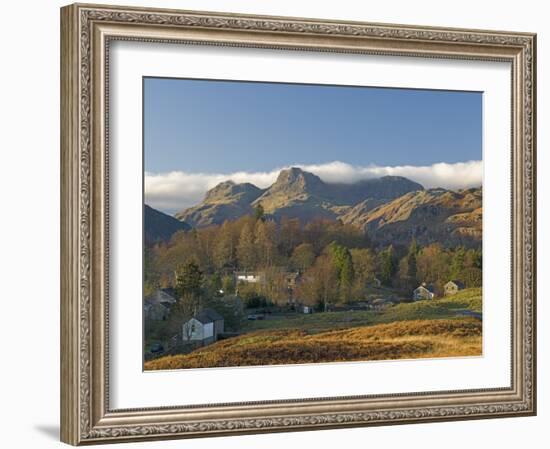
297,178
228,189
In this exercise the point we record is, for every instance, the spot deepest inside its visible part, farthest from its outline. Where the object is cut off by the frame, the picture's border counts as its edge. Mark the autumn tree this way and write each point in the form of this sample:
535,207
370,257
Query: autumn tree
224,249
265,242
303,257
364,264
290,235
364,270
433,263
246,251
275,285
319,284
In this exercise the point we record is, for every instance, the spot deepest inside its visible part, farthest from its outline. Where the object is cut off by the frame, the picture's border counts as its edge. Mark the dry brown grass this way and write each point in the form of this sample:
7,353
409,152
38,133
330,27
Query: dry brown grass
400,340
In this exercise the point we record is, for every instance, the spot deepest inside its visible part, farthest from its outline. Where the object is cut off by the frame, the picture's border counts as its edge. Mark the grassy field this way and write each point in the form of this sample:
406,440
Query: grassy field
433,328
400,340
448,307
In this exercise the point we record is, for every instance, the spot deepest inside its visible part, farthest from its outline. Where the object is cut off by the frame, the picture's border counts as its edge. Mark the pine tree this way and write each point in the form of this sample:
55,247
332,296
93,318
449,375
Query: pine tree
259,212
388,265
411,261
189,280
457,264
341,258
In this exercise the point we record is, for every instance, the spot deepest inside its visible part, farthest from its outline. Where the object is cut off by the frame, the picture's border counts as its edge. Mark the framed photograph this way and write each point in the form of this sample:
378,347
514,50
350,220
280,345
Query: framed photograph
278,224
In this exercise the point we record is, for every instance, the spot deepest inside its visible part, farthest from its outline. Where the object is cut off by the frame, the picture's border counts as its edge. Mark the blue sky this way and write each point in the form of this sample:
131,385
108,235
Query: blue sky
218,128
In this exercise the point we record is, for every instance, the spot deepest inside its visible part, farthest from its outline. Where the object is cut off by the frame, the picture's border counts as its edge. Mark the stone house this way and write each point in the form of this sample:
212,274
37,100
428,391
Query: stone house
453,287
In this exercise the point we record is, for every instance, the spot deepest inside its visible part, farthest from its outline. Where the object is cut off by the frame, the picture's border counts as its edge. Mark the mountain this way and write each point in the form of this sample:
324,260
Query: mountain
226,201
295,194
378,190
392,209
301,194
159,226
434,215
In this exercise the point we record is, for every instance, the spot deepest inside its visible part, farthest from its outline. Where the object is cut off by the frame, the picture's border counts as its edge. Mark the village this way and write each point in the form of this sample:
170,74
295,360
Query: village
275,291
207,323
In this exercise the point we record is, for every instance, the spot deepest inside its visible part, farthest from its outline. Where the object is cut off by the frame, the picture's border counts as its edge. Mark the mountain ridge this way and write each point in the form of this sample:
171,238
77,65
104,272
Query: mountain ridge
391,209
432,215
296,193
159,226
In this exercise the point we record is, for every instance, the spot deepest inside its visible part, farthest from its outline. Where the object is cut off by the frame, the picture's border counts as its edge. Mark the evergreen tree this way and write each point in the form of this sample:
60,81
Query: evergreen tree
259,212
228,285
411,261
189,280
388,265
215,284
457,263
341,258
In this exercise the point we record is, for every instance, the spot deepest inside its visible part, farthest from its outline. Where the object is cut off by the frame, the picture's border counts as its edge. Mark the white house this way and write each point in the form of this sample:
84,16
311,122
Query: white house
423,292
249,277
204,327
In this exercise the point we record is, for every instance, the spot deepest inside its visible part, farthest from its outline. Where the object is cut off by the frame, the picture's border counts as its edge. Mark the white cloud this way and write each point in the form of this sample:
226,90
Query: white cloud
178,190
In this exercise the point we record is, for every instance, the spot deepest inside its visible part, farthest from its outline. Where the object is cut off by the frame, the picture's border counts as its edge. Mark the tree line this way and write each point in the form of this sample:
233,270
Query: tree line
335,262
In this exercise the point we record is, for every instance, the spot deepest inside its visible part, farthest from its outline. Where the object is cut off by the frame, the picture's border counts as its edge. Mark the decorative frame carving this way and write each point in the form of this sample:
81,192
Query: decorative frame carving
86,32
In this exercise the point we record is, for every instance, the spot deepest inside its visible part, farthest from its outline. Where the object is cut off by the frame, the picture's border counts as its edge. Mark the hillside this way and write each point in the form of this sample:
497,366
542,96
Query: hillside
434,215
159,226
398,340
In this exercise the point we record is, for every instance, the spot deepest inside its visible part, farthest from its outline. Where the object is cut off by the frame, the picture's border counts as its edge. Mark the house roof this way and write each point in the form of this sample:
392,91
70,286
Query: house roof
458,283
161,296
148,306
208,316
170,291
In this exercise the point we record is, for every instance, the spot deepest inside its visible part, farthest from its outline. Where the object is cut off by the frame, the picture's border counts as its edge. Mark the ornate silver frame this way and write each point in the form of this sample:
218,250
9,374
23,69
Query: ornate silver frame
86,32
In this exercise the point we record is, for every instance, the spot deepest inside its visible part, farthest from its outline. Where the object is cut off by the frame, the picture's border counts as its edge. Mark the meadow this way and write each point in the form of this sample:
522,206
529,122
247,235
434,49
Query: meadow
423,329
